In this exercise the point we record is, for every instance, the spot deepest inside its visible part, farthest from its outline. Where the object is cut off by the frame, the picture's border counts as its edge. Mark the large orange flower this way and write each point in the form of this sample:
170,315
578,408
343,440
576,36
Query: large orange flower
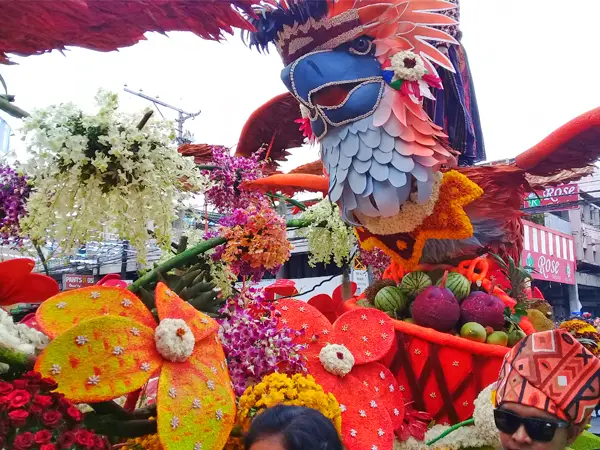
108,344
343,359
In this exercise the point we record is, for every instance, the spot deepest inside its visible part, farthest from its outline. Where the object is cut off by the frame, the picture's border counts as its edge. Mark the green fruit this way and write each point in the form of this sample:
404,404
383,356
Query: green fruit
364,303
515,336
498,338
473,332
391,298
414,283
458,285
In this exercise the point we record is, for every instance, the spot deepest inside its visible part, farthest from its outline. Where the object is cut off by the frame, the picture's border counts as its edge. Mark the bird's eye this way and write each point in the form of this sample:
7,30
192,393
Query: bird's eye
361,45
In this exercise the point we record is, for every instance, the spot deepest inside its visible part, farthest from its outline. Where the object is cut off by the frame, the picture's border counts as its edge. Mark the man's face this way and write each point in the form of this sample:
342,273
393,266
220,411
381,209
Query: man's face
520,440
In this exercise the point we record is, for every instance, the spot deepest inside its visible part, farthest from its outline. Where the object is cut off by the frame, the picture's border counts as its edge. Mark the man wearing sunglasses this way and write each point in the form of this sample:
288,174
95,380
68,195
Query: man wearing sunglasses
548,387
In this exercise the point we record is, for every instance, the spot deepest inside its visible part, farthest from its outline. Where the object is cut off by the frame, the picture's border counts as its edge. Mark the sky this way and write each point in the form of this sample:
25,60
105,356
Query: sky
534,65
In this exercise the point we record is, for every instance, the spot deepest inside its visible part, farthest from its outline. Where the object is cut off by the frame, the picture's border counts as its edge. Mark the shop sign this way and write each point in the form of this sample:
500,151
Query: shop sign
549,253
554,196
75,281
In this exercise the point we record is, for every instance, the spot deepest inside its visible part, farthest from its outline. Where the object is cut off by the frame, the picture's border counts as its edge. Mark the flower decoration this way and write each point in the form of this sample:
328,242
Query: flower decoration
19,285
405,71
329,238
256,240
584,332
297,390
415,424
254,343
34,417
14,190
108,344
305,126
285,288
227,177
448,221
20,337
376,259
332,306
100,172
342,359
150,442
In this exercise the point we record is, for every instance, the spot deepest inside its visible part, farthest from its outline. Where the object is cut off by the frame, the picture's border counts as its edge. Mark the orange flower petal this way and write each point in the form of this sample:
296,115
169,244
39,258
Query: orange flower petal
101,359
67,309
170,306
195,401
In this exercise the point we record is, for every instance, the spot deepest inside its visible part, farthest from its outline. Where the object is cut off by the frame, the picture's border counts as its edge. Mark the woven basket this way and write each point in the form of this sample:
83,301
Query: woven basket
441,373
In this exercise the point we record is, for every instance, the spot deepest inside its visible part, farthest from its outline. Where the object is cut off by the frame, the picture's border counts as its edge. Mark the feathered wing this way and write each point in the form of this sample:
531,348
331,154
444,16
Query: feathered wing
572,146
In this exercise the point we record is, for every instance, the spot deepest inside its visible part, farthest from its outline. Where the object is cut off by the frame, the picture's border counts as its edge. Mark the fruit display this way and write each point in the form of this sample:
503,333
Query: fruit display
475,300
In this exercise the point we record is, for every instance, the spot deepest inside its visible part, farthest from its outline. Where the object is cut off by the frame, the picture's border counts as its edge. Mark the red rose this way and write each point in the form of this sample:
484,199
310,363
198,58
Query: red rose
18,398
23,441
18,417
42,400
67,439
5,388
43,437
32,375
36,410
48,384
51,418
20,384
74,413
101,443
84,438
48,447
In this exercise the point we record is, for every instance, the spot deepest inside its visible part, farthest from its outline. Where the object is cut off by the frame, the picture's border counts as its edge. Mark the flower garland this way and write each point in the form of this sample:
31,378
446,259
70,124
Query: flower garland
406,73
100,173
376,259
14,190
297,390
34,417
256,240
411,215
226,193
329,238
254,345
149,442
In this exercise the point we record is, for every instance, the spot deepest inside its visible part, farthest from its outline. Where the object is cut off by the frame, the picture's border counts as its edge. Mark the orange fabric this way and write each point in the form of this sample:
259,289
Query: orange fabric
553,372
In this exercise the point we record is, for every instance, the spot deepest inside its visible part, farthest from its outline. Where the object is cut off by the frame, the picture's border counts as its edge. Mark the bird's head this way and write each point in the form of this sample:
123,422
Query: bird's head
335,52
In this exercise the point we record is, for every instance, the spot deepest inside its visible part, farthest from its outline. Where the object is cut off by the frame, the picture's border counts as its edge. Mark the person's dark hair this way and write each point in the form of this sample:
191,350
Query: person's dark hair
300,428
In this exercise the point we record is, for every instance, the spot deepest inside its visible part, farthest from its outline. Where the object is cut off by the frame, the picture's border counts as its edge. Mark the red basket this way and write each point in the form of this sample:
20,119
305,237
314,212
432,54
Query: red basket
441,373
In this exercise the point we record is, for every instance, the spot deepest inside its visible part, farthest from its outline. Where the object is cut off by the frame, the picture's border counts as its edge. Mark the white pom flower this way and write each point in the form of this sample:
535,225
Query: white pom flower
336,359
408,66
174,340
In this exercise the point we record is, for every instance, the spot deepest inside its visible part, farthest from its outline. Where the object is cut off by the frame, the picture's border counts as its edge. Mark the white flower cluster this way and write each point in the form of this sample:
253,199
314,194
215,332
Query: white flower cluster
96,174
482,434
337,359
19,337
408,66
174,340
329,238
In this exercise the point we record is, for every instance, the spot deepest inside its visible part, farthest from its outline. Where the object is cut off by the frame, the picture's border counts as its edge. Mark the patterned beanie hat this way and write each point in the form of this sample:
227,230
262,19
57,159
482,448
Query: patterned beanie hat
553,372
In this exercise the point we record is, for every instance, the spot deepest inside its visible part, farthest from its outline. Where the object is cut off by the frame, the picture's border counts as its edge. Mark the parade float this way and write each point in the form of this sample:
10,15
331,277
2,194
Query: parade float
184,357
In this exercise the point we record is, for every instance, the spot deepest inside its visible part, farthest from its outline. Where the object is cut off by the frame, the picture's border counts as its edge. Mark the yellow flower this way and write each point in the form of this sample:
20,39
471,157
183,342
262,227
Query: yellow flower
149,442
578,326
297,390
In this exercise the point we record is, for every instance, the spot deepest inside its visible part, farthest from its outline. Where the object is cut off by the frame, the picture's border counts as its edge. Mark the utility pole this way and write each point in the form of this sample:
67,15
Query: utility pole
182,115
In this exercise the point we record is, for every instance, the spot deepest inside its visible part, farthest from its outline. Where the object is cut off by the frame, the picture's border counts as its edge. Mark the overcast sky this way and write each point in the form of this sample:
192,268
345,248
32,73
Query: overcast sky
534,65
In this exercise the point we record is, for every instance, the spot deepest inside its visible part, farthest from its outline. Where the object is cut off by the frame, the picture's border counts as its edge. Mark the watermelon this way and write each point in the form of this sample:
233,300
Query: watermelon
458,285
414,283
391,298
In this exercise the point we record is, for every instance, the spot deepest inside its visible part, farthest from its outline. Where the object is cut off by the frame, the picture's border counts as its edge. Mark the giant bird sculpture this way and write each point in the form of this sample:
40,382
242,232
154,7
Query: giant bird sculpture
360,71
